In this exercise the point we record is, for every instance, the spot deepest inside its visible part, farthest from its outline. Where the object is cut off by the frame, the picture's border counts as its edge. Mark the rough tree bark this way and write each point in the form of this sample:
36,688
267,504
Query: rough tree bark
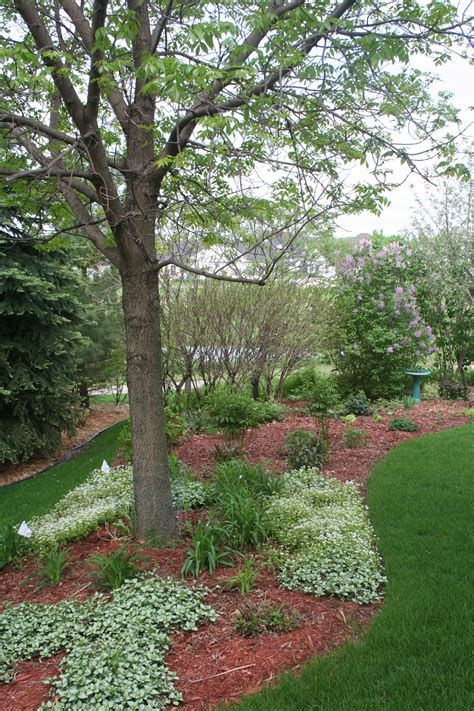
152,488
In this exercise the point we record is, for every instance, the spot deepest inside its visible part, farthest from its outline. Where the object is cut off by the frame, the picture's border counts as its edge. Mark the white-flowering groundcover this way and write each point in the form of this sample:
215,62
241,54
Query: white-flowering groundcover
116,649
105,497
323,525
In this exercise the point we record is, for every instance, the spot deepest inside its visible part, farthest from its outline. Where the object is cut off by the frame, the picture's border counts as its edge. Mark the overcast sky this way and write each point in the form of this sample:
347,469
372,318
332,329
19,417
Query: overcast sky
456,77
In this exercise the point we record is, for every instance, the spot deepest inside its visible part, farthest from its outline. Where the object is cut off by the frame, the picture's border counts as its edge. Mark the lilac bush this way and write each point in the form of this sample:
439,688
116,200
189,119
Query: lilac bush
380,332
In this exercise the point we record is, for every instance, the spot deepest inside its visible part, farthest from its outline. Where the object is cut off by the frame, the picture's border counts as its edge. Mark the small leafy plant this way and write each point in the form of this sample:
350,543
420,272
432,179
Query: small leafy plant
409,402
10,544
305,449
225,453
453,388
53,564
244,579
111,571
402,424
357,404
206,551
377,417
354,437
256,618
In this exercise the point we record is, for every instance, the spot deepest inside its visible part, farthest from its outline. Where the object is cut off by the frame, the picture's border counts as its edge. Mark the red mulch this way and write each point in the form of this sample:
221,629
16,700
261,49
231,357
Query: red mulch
215,664
265,443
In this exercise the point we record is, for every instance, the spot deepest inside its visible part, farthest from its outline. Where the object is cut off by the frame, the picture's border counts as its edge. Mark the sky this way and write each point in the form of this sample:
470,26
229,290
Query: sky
458,78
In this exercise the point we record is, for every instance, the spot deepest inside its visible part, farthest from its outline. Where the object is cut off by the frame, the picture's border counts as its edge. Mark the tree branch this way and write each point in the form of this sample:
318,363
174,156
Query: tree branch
114,95
161,263
204,106
159,29
99,14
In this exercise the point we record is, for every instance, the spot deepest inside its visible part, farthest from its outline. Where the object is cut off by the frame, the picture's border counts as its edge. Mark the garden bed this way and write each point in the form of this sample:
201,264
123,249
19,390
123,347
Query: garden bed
214,663
266,442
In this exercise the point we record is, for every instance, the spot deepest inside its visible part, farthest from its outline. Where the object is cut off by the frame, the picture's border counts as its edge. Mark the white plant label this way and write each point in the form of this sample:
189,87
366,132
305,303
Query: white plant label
25,530
105,467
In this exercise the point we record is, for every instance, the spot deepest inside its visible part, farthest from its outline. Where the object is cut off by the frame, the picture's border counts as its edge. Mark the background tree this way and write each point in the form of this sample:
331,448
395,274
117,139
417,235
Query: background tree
181,107
40,322
442,242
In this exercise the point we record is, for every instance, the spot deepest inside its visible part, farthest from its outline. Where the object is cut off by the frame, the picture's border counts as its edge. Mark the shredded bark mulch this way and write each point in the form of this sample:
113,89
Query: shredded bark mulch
215,664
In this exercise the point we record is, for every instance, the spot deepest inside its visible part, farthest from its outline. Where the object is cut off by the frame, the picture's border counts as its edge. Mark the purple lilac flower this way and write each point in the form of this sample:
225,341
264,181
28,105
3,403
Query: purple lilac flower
417,333
399,290
381,305
390,349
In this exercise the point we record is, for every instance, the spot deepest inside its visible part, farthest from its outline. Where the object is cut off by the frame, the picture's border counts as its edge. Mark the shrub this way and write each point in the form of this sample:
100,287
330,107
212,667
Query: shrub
402,424
108,665
469,376
53,564
10,545
354,437
206,551
356,404
233,413
197,421
454,389
110,571
323,526
377,329
244,579
323,395
298,383
258,617
305,449
269,411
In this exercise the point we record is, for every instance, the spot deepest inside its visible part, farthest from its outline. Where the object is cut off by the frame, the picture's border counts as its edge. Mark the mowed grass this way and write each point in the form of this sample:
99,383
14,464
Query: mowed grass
36,496
107,399
417,654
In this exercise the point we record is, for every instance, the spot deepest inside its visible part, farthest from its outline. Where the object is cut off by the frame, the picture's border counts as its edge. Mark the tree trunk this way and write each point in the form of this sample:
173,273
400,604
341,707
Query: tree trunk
255,382
155,517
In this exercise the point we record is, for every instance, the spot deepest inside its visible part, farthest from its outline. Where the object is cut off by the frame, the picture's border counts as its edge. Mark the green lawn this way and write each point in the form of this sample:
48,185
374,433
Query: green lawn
417,653
107,399
36,496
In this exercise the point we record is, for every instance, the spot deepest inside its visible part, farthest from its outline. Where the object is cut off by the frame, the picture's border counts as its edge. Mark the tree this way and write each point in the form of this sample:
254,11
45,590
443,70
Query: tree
442,242
40,320
217,331
159,115
378,331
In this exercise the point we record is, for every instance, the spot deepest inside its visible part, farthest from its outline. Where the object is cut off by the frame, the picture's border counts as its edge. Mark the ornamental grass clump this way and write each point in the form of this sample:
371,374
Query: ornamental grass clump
324,528
116,651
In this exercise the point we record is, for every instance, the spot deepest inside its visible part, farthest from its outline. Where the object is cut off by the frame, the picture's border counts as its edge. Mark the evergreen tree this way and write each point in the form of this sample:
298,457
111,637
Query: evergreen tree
40,319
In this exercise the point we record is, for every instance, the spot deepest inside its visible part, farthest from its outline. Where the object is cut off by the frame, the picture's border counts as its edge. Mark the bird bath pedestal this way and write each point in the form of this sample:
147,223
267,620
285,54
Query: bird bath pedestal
417,375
